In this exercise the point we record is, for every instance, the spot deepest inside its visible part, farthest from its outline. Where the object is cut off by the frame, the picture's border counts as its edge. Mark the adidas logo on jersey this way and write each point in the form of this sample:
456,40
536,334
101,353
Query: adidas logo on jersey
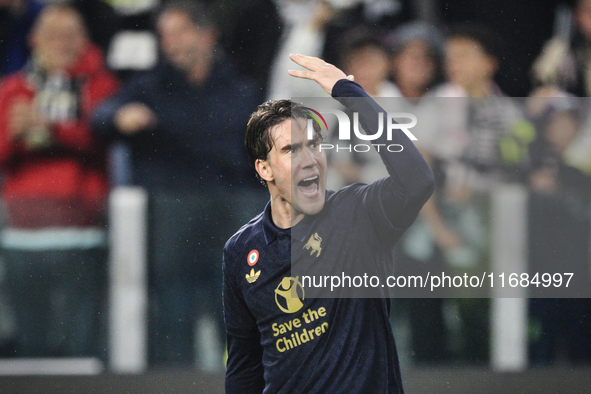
253,276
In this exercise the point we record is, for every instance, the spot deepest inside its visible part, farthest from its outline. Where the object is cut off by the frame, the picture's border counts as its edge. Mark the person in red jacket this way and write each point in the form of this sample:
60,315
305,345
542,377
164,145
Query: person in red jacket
55,188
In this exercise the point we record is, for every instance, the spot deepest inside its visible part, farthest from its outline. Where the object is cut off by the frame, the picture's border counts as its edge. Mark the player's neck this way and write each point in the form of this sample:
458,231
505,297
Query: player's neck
283,214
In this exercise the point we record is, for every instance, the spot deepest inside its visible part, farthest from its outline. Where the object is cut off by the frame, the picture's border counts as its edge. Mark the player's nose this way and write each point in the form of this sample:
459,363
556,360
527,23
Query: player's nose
308,157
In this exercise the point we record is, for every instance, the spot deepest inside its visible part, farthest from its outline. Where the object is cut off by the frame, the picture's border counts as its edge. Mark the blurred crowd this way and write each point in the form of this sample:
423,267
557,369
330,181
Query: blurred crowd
98,94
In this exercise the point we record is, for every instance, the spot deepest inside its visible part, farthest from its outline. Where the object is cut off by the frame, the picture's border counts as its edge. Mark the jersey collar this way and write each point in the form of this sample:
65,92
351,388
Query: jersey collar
270,230
301,231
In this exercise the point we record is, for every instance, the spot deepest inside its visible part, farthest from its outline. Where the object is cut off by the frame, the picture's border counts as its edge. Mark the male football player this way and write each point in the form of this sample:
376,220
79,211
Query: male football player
279,341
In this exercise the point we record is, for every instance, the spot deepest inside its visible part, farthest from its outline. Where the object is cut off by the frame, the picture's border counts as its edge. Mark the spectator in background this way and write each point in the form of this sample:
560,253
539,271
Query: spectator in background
559,228
472,60
488,136
251,33
415,59
304,32
177,120
481,144
415,65
316,27
366,55
565,65
363,55
55,190
16,19
411,51
565,61
101,20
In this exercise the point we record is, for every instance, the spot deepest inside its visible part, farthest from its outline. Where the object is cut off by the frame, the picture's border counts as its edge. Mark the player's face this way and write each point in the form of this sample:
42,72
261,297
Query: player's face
298,168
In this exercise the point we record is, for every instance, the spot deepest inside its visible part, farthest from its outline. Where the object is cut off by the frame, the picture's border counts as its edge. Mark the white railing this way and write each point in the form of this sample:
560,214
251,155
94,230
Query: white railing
128,298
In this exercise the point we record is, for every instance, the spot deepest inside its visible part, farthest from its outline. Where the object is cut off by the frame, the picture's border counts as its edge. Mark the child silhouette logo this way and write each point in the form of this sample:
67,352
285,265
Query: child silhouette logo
289,295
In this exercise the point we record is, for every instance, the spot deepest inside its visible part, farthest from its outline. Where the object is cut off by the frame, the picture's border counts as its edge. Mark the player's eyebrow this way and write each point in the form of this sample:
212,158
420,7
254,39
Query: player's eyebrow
289,147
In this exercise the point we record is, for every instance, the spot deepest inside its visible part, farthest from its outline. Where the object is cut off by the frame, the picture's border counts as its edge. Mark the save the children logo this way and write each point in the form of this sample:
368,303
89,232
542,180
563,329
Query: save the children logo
289,295
392,122
307,326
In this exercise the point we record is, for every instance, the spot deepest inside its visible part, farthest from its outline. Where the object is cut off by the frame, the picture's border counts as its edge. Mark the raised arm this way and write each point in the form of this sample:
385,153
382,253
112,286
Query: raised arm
400,197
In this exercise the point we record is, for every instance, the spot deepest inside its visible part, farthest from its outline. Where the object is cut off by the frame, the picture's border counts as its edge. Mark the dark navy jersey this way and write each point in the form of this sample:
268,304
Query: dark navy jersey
280,340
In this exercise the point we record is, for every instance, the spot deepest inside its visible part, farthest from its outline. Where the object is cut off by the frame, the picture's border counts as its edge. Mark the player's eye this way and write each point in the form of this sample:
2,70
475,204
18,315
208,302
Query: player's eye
290,150
315,142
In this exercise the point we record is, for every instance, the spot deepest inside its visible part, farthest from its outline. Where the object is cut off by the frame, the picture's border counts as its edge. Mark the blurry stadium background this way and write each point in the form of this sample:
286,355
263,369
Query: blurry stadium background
516,197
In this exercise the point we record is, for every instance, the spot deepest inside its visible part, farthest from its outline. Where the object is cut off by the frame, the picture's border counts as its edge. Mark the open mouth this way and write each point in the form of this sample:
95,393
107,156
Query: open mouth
309,186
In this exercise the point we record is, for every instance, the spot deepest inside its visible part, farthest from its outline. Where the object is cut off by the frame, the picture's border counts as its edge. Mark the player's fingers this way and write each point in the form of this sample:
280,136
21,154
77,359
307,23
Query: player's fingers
309,62
350,77
301,61
302,74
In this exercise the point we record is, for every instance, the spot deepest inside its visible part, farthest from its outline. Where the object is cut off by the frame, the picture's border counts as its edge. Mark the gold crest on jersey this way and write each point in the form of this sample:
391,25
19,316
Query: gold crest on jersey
313,244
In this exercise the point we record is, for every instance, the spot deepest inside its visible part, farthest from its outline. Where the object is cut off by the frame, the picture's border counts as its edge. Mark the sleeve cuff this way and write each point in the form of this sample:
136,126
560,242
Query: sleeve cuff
346,88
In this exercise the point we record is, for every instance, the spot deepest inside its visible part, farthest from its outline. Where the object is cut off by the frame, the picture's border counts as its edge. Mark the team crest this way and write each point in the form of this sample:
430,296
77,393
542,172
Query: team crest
313,244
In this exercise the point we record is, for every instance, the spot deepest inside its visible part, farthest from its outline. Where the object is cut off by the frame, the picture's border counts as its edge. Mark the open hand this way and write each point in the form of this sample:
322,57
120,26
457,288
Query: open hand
325,74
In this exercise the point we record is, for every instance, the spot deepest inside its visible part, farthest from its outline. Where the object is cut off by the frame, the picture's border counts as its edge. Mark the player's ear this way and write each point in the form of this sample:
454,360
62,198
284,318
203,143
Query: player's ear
264,170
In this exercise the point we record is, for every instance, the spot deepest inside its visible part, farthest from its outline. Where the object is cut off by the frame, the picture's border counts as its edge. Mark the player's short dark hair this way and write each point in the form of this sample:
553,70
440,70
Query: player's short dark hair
488,39
258,139
200,13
